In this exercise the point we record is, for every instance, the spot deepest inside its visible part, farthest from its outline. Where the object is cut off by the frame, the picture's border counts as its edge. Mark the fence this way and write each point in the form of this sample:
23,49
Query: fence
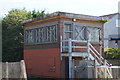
88,69
104,71
14,70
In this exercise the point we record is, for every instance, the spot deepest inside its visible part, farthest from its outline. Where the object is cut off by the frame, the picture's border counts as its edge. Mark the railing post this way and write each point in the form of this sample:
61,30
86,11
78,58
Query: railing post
111,69
73,68
95,63
105,69
88,49
70,58
70,45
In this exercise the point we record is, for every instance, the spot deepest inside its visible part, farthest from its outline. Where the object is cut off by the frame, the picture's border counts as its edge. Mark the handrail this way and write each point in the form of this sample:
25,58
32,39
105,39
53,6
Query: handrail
109,73
97,53
73,41
71,45
90,47
95,50
78,41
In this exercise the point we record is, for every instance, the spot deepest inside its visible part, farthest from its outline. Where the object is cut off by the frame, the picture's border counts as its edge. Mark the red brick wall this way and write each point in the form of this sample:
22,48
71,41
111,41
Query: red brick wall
40,62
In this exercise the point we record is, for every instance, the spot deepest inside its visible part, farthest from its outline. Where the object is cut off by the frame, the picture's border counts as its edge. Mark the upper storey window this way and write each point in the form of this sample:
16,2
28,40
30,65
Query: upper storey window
79,32
41,34
117,22
68,31
94,34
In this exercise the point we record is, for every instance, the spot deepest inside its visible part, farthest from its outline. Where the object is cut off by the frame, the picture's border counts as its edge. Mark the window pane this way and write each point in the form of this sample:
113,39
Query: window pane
41,34
68,31
94,34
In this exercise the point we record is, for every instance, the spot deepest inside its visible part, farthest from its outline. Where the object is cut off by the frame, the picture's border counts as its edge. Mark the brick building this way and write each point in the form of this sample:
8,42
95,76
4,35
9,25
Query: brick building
46,53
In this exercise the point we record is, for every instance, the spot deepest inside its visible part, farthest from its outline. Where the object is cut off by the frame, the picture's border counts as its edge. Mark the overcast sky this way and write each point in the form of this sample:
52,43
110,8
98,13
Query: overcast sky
89,7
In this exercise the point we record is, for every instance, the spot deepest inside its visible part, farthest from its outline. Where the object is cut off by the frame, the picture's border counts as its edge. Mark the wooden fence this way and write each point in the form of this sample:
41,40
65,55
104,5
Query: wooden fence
14,70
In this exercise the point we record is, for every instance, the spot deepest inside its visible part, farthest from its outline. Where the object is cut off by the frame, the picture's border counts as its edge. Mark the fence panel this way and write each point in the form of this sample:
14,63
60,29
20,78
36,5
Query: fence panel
14,70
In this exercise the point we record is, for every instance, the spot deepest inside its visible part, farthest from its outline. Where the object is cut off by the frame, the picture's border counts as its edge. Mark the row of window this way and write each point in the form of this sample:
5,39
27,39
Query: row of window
41,34
81,33
49,33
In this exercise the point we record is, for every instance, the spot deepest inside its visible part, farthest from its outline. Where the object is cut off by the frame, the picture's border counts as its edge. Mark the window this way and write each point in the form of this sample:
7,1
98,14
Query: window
30,36
117,22
94,34
26,36
51,33
36,35
85,33
41,34
81,33
68,31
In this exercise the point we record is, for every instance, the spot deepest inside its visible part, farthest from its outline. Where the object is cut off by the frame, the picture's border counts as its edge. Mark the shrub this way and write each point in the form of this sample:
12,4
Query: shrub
112,53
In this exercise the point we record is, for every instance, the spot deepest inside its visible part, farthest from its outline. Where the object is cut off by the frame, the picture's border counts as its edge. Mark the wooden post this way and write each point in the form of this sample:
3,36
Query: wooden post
100,53
70,58
23,70
73,68
7,72
95,68
110,69
88,50
105,70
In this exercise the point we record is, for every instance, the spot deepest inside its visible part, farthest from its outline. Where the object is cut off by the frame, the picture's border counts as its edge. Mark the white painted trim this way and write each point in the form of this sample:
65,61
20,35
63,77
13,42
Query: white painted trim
76,54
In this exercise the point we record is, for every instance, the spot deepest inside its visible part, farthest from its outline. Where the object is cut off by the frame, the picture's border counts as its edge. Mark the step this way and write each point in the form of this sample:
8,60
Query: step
76,54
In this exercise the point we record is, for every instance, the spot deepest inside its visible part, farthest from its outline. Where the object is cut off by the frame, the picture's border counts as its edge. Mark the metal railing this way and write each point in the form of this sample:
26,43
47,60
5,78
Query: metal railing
100,61
97,55
69,46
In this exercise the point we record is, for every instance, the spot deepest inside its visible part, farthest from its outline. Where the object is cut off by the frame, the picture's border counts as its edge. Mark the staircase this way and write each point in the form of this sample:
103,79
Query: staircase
68,49
100,61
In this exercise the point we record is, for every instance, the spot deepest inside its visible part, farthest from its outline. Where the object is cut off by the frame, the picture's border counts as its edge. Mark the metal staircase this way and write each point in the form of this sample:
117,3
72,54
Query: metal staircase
71,49
100,61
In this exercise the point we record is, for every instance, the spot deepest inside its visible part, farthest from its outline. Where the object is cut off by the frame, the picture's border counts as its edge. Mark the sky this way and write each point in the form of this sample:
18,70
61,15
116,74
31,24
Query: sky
88,7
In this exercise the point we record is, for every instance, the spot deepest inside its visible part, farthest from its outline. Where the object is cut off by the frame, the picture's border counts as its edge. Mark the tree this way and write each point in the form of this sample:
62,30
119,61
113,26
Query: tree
0,39
12,33
35,13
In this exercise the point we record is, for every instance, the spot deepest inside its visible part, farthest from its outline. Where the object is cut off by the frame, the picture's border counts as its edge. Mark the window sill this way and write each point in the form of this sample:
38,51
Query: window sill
41,43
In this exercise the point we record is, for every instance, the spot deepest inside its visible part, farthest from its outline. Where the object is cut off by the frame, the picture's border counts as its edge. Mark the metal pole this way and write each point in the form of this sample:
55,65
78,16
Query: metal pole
70,58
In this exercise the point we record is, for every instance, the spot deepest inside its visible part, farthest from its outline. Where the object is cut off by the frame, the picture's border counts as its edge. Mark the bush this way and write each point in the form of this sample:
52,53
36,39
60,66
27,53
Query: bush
112,53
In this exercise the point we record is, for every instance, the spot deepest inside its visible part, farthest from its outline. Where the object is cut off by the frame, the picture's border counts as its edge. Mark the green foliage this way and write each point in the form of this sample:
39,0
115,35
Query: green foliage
112,53
104,21
35,13
0,39
12,33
